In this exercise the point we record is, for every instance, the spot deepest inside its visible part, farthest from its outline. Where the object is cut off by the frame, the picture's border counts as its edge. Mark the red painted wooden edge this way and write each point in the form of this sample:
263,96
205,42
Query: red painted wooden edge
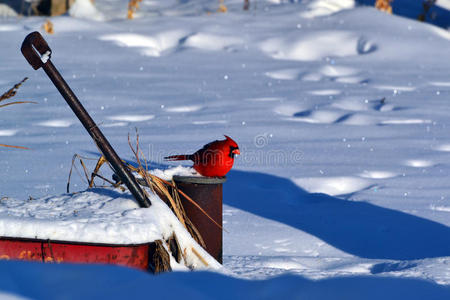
49,251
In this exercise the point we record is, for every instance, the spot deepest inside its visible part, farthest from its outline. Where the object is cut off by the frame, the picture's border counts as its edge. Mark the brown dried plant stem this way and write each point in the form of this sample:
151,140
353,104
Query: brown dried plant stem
76,156
160,186
133,6
384,5
16,102
12,91
192,201
94,174
7,95
199,257
222,7
17,147
100,162
48,27
153,183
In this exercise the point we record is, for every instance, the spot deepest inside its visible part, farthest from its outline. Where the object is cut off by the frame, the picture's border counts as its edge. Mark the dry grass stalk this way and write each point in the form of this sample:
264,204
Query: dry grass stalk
161,187
8,95
384,5
167,183
154,182
199,257
160,261
76,156
184,254
90,181
48,27
12,91
17,147
189,225
100,162
158,185
16,102
222,7
133,6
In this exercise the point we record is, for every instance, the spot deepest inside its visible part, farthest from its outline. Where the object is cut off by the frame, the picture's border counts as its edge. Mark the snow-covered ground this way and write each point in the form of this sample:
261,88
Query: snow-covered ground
340,111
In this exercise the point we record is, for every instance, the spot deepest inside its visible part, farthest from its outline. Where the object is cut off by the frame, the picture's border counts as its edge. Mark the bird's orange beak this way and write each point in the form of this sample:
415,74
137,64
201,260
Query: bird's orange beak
236,152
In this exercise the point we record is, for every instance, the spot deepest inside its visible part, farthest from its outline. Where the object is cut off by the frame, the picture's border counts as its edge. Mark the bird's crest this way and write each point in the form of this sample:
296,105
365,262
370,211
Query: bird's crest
230,140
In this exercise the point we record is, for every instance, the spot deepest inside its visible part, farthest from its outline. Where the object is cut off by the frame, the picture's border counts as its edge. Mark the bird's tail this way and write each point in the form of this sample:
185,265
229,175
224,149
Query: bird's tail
178,157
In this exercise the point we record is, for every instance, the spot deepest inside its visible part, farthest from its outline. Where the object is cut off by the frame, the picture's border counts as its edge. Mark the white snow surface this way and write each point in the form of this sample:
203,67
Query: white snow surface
340,111
99,215
85,9
168,174
444,3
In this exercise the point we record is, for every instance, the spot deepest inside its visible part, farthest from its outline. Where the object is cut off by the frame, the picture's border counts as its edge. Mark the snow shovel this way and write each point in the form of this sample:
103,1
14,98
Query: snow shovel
37,52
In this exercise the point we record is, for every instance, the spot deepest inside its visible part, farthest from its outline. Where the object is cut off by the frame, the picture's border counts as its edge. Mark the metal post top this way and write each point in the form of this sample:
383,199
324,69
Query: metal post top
199,179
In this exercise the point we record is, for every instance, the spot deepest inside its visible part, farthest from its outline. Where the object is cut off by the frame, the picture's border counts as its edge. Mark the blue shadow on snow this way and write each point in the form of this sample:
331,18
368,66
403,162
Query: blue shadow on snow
358,228
67,281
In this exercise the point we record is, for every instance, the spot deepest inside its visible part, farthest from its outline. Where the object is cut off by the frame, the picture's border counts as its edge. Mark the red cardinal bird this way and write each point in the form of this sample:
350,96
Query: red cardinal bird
214,159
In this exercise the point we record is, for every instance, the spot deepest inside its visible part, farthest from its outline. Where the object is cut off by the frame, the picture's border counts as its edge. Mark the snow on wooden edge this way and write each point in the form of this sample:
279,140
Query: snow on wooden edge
100,215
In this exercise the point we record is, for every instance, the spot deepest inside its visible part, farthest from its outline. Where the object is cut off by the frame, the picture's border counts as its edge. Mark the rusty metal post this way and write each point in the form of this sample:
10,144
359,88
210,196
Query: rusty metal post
37,52
207,193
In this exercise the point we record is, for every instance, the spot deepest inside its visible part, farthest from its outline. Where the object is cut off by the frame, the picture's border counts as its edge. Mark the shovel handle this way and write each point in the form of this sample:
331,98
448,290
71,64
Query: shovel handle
37,52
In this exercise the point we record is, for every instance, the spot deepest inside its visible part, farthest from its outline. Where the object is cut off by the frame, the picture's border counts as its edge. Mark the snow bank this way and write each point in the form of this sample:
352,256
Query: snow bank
153,46
320,8
316,46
